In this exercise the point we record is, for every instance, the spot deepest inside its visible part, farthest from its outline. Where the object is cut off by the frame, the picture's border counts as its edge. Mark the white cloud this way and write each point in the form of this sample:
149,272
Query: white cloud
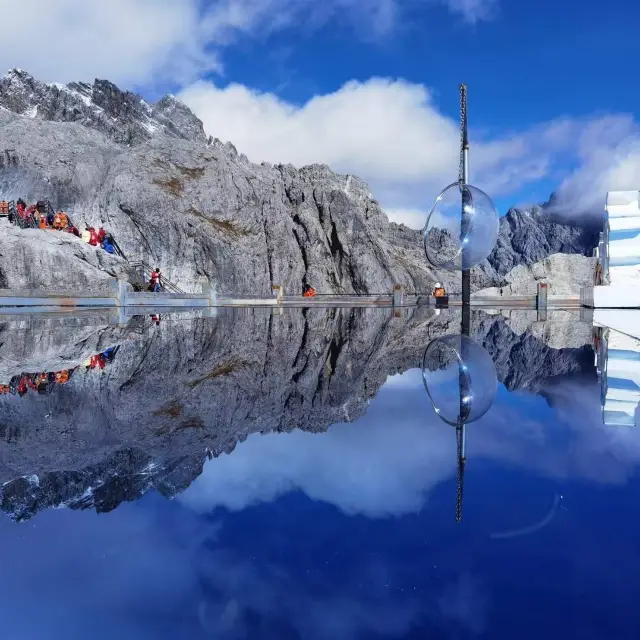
126,41
609,153
413,218
392,134
474,10
141,42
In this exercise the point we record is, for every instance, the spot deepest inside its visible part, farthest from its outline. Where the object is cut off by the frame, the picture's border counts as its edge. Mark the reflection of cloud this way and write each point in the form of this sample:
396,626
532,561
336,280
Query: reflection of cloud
568,441
156,570
365,602
387,463
378,467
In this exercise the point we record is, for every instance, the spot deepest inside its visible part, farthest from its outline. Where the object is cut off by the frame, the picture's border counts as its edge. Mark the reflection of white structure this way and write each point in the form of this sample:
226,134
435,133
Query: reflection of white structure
618,364
618,253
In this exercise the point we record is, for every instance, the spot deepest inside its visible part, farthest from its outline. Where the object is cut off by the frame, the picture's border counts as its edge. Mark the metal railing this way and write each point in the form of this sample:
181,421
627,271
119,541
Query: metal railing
146,270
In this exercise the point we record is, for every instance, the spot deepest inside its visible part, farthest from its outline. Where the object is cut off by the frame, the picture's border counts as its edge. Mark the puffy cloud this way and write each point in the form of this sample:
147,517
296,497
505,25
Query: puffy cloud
139,42
376,475
609,160
392,134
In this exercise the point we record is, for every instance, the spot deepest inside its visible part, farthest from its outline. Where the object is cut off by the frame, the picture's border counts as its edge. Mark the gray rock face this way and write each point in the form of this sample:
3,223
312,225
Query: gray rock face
528,236
192,385
196,208
56,261
123,116
565,274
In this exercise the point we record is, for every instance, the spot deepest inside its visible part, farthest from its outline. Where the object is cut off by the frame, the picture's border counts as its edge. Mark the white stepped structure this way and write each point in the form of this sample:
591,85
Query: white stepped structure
618,253
618,364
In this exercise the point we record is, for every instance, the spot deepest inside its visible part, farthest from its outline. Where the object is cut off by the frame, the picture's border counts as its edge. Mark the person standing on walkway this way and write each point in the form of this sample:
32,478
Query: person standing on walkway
156,280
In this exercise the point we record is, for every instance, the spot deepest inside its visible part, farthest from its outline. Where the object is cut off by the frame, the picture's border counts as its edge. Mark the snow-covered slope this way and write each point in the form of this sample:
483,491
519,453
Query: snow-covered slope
123,116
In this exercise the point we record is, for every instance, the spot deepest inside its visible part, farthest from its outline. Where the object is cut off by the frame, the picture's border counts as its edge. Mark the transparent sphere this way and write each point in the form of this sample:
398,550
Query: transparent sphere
460,378
461,229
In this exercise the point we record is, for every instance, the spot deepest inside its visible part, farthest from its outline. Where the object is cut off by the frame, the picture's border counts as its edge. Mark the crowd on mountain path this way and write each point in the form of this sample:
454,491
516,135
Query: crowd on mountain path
41,215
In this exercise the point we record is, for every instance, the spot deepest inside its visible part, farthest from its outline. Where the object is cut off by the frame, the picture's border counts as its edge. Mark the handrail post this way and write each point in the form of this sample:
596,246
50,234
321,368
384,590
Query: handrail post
398,295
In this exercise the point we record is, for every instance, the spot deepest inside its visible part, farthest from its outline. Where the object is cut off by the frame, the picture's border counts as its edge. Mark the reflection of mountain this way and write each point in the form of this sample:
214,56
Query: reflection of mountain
192,385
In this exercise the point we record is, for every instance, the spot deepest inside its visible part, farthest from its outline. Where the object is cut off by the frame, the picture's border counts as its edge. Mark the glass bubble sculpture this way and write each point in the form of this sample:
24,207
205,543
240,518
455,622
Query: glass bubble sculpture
460,378
461,229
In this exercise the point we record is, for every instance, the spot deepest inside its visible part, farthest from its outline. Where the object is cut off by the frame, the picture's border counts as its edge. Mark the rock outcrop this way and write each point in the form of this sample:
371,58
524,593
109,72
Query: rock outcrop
56,261
565,274
526,239
121,115
191,385
197,208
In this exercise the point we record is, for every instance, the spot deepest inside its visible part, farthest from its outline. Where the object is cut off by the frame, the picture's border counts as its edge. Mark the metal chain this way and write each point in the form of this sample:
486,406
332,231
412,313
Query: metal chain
463,127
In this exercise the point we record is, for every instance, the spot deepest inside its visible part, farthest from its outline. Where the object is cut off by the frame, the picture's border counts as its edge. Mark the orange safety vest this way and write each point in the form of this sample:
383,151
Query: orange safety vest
310,293
60,220
62,376
439,292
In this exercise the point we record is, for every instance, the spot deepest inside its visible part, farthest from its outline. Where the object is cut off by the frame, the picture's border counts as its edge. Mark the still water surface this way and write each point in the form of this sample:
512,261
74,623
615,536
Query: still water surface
285,476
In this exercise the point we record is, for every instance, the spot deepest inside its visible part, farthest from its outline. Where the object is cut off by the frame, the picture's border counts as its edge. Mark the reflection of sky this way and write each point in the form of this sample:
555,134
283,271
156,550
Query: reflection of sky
350,534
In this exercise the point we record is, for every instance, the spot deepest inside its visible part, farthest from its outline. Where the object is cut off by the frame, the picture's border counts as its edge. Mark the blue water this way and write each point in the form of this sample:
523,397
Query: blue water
351,534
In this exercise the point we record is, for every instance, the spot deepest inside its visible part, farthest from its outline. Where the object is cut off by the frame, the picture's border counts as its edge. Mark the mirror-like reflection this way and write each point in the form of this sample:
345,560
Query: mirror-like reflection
311,481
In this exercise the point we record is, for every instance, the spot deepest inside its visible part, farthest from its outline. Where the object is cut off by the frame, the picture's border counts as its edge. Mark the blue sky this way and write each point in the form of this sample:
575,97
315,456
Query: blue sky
370,86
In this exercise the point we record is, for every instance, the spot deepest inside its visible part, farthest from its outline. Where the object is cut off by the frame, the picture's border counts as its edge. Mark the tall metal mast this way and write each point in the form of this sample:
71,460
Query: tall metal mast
463,378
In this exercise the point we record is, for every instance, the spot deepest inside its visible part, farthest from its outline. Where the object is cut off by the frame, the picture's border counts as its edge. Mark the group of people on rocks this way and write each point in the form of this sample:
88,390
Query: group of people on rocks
42,216
45,382
39,382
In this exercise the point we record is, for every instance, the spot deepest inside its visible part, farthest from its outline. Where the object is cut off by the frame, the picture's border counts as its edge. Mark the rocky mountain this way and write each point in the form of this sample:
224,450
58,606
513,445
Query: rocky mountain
197,208
565,274
193,387
122,116
529,235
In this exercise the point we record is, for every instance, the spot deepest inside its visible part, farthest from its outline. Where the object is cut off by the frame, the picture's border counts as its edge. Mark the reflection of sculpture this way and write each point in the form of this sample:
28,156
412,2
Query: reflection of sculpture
618,364
461,380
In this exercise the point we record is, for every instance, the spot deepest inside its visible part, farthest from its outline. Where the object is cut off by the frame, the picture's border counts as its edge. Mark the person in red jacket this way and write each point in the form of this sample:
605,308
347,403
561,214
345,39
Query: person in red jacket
102,234
93,237
156,280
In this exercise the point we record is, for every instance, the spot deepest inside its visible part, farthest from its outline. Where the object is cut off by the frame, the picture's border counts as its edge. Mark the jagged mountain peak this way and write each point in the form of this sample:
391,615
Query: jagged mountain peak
122,115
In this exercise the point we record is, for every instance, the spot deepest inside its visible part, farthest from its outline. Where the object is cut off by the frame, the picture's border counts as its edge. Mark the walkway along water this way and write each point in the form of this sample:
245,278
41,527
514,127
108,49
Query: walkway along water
121,295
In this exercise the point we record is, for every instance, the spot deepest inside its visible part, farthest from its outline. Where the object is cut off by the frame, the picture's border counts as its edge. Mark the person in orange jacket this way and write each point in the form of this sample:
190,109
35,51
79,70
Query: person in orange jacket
439,291
309,291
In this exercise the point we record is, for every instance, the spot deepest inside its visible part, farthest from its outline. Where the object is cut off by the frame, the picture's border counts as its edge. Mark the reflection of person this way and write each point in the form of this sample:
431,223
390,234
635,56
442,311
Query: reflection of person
598,275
